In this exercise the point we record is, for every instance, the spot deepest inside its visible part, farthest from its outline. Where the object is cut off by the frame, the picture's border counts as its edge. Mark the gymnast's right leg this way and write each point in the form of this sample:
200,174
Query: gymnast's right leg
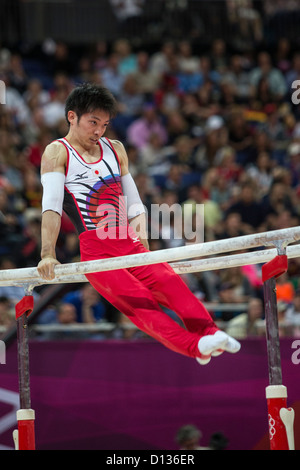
136,301
169,290
132,298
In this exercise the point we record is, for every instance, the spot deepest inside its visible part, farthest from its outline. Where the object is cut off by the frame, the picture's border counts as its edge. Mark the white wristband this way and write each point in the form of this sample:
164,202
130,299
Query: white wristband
53,191
134,204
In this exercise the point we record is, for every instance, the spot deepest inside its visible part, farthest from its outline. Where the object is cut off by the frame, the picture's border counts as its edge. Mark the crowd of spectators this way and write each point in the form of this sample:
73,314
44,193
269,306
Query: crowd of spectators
220,128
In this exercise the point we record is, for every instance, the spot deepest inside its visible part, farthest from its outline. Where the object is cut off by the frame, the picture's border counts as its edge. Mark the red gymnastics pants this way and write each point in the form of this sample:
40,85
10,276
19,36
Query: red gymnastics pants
138,293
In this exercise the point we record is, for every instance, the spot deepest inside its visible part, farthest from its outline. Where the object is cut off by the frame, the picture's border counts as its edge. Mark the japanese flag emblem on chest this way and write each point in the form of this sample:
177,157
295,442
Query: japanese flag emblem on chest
96,172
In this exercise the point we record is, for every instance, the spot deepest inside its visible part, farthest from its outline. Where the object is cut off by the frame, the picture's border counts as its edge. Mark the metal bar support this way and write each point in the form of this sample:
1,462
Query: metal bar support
24,437
280,418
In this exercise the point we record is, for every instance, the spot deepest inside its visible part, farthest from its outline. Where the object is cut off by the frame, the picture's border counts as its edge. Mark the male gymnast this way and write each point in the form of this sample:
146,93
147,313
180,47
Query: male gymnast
86,175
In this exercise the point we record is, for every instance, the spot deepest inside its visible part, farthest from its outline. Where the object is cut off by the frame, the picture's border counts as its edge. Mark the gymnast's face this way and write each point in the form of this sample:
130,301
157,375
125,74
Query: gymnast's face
89,128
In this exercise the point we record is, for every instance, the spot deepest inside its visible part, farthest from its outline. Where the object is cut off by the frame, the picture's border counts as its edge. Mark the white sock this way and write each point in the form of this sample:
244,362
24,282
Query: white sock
214,345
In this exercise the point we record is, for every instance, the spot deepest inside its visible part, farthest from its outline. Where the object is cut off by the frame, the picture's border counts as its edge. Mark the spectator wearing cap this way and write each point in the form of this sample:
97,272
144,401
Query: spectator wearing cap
216,137
214,123
189,77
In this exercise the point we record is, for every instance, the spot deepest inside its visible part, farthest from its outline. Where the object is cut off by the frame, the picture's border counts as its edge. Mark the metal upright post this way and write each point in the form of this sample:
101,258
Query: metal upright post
280,418
24,437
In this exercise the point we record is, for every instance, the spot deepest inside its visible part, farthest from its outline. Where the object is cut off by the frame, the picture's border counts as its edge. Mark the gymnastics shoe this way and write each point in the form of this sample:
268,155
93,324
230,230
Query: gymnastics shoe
216,344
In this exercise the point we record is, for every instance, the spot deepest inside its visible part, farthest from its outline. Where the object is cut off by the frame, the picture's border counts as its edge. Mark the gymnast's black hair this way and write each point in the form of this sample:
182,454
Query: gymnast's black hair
87,97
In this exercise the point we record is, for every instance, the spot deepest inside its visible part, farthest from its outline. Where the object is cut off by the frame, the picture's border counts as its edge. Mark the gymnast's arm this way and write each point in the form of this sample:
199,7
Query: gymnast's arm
138,222
52,176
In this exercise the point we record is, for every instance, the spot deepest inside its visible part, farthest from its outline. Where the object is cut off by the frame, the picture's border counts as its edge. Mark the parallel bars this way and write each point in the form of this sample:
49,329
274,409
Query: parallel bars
279,425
